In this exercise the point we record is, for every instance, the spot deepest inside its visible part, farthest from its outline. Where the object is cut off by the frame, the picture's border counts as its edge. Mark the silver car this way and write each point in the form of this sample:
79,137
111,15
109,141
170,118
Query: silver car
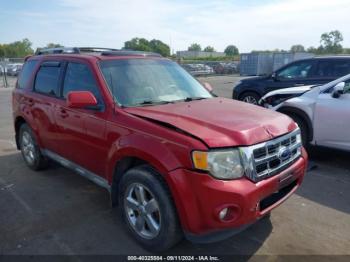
322,112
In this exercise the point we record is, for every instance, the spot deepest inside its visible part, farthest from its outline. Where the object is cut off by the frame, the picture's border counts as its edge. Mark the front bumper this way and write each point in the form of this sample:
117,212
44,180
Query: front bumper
199,198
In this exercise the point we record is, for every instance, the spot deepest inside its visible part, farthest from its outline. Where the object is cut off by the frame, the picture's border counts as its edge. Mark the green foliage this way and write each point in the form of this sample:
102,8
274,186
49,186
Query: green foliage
142,44
16,49
231,50
52,45
195,47
297,48
209,49
159,47
330,43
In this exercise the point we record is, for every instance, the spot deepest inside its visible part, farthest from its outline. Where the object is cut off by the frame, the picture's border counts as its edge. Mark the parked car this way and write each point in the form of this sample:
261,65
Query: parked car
312,71
176,160
322,112
198,69
14,69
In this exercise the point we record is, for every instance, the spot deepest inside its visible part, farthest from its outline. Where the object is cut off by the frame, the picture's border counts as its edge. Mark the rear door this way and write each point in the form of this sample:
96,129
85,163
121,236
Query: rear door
43,99
328,70
331,120
83,139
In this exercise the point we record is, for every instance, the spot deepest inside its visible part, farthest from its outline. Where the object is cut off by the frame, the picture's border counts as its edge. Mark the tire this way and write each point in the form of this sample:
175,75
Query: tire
166,231
303,128
250,97
30,150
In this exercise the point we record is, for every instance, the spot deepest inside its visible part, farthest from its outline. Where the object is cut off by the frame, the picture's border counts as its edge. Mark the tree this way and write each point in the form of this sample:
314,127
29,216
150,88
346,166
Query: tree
209,49
312,49
52,45
159,47
297,48
231,50
330,42
138,44
142,44
17,49
195,47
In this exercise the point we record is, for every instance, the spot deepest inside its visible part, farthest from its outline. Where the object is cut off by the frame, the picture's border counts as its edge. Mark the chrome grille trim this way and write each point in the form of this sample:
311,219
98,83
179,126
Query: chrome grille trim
257,169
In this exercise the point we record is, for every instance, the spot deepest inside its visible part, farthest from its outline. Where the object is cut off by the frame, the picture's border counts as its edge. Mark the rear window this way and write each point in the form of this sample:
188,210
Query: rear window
47,78
333,68
26,73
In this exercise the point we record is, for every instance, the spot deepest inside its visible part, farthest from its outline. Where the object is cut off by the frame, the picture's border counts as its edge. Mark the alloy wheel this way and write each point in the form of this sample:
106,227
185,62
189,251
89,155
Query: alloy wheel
142,211
250,100
28,147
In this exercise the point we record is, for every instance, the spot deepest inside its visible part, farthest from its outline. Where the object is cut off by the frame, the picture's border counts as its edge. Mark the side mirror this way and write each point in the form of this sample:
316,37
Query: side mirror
274,76
208,87
81,99
338,90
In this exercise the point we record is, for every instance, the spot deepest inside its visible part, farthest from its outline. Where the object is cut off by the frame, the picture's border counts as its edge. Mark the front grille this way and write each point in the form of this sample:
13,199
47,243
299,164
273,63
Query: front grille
271,157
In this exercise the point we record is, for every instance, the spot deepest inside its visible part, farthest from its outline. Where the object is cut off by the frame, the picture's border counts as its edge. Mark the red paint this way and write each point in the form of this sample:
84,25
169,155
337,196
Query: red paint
97,140
81,99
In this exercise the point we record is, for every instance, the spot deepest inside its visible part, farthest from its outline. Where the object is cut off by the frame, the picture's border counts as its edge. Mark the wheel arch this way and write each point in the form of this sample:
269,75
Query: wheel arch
291,110
249,91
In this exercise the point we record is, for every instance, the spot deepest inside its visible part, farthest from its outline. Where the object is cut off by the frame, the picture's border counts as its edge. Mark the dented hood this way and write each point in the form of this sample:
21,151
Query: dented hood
220,122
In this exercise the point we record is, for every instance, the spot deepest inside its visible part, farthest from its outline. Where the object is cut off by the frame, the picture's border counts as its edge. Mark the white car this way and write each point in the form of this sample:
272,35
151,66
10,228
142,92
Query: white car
322,112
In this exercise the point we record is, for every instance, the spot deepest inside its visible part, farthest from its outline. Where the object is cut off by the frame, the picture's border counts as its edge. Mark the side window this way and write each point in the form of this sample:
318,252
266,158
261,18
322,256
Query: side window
79,78
26,73
47,78
333,68
296,70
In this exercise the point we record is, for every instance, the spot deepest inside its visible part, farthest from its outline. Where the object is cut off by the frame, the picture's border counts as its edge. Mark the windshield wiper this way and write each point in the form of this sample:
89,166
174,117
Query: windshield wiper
189,99
151,102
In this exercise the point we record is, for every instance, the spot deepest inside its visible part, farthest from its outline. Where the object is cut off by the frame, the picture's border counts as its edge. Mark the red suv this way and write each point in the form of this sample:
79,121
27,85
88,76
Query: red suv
176,160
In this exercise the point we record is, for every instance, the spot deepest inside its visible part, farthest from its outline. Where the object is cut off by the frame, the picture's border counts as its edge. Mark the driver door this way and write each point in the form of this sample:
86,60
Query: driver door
331,120
295,74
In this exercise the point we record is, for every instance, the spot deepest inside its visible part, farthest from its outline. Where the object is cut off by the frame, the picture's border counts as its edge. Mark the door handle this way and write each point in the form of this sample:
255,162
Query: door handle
63,113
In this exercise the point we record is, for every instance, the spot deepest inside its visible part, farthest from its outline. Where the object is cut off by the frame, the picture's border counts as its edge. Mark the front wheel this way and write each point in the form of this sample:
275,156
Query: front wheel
148,210
250,97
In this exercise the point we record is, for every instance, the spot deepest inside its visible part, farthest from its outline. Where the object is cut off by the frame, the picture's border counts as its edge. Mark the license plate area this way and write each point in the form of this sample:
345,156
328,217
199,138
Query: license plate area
277,196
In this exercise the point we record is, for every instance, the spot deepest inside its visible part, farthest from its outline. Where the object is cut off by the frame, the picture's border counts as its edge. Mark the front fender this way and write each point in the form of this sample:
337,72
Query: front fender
161,154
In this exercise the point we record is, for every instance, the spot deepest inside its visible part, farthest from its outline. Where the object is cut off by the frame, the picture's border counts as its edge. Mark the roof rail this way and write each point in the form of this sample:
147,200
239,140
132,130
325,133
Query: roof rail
130,53
103,51
72,50
57,50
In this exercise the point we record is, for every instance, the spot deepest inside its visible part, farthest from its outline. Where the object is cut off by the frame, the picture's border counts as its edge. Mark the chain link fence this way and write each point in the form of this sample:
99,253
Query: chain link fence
9,70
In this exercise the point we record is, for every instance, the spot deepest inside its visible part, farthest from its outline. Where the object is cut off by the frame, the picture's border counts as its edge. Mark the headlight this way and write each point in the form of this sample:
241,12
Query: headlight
220,164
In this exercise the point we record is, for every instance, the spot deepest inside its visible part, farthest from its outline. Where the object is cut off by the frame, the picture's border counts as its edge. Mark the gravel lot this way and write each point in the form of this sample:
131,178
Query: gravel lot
58,212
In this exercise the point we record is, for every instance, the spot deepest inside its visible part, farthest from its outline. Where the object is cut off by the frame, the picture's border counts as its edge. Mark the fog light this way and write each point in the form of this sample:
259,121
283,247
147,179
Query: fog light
223,213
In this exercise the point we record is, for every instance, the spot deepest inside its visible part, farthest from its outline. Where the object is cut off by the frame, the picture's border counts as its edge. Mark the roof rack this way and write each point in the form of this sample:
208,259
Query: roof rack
101,50
130,53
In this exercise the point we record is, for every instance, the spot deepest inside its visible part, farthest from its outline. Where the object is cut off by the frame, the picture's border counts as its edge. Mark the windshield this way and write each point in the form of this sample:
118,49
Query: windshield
136,82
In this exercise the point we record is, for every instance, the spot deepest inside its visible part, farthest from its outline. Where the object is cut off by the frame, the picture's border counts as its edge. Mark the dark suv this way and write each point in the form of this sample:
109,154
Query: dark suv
312,71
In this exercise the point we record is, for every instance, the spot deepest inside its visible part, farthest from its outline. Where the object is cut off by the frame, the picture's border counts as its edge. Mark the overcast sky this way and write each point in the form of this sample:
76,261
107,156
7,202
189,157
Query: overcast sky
250,25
